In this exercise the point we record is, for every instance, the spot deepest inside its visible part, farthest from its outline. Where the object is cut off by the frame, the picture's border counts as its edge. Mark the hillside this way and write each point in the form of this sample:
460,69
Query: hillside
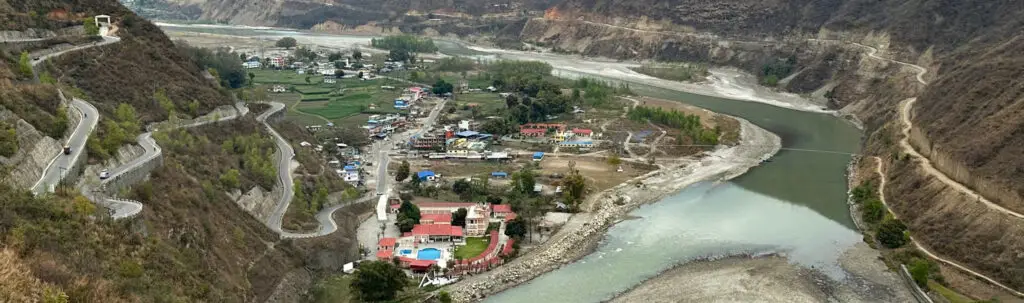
192,242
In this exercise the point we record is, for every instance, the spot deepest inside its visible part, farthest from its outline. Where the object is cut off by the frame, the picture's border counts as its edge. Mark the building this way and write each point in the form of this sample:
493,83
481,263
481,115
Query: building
477,215
501,210
387,244
499,174
464,125
425,175
582,132
579,144
537,156
277,61
252,64
278,89
436,218
437,232
330,79
533,132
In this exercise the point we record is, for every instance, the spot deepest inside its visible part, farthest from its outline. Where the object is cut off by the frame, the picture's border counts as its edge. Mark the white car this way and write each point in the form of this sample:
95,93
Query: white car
104,174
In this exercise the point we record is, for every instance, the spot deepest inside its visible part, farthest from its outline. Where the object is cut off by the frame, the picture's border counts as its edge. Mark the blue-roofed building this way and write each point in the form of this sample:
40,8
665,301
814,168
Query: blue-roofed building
466,134
424,175
583,144
499,174
537,156
350,168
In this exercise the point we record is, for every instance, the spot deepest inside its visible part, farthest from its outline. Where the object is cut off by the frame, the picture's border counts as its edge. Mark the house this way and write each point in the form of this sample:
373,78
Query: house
500,210
533,132
437,232
477,215
436,218
579,144
278,89
387,243
464,125
492,88
330,79
401,104
300,71
425,175
499,174
252,64
537,156
277,61
582,132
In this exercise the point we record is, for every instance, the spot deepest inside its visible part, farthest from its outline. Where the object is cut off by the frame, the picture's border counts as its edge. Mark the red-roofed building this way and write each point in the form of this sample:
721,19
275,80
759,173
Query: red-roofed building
508,247
501,210
476,218
386,243
533,132
436,218
385,255
437,232
421,265
510,217
582,132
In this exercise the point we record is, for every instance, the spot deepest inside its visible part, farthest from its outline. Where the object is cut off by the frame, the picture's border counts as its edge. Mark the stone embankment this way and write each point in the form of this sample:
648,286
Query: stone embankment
580,236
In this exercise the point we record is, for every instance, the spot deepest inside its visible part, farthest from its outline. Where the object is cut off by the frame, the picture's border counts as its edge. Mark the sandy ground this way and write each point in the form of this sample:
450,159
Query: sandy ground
368,234
773,279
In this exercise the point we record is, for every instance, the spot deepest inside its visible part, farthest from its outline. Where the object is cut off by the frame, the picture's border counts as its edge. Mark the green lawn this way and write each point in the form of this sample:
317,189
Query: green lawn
283,77
949,294
333,289
474,247
358,95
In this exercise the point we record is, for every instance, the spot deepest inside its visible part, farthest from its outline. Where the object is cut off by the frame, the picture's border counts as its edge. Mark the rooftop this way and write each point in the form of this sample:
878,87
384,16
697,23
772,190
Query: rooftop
384,254
436,230
466,205
387,242
501,208
438,218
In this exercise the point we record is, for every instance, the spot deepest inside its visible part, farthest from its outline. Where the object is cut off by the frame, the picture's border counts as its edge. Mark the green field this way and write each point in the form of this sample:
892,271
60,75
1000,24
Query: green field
283,77
358,95
474,247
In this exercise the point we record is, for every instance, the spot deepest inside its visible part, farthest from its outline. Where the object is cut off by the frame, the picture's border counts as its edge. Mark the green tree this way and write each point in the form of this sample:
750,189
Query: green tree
403,171
523,181
462,187
408,215
873,211
891,232
335,56
8,140
614,160
516,228
91,28
25,65
165,102
357,55
574,185
771,80
286,42
377,281
459,217
230,178
441,87
919,270
252,78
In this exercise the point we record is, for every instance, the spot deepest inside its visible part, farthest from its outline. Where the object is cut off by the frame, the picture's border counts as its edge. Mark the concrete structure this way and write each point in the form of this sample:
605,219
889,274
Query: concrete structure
252,64
476,217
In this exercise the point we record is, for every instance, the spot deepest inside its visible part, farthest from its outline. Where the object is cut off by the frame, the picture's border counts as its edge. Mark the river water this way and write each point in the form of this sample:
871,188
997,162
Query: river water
794,205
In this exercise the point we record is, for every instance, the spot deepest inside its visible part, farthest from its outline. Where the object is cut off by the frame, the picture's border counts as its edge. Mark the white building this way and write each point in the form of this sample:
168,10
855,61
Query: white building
252,64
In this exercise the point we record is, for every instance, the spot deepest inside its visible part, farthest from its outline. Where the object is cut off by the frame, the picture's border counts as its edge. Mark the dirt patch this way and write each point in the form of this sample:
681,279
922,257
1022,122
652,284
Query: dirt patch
599,174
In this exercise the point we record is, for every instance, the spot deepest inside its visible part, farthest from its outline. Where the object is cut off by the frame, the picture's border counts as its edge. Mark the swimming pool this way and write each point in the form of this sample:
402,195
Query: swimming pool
406,252
428,254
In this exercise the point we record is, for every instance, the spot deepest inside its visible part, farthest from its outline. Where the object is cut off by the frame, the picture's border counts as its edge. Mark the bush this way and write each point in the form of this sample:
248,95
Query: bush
286,42
872,211
8,140
407,43
25,65
891,233
919,269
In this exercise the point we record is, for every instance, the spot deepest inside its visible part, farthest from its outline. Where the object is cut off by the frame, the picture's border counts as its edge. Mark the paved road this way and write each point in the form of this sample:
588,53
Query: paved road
55,171
106,40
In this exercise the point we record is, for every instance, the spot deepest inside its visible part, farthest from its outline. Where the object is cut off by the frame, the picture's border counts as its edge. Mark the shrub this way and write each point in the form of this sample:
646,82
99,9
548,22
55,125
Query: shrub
891,233
873,211
8,140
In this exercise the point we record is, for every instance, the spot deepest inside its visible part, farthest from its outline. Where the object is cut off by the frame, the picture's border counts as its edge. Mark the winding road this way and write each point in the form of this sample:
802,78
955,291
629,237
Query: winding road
54,172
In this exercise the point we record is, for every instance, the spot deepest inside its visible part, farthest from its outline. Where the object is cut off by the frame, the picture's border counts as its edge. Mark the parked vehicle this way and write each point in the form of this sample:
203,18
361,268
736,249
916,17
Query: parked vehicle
67,149
104,174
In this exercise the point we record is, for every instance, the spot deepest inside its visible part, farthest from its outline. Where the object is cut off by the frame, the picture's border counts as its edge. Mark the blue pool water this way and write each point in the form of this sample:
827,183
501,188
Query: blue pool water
406,252
428,254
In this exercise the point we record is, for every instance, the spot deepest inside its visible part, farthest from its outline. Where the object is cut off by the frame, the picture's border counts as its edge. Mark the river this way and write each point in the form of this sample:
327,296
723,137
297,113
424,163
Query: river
794,205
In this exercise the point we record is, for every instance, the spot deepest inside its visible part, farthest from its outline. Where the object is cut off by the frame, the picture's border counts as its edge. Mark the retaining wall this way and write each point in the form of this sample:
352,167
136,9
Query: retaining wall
131,177
919,294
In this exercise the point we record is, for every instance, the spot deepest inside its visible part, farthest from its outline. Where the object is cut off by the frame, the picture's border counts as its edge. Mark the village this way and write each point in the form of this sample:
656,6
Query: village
471,169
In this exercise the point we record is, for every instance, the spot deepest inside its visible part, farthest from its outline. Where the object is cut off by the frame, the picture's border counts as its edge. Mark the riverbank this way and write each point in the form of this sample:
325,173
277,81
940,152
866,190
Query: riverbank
773,279
584,231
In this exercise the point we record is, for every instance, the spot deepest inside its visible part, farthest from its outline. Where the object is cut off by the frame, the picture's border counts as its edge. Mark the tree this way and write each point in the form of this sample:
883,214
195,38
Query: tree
403,171
357,54
441,87
459,217
378,281
462,187
516,228
335,56
891,233
359,75
614,160
574,185
307,80
523,181
444,296
286,42
919,270
338,73
873,211
24,65
511,101
252,77
91,28
408,216
230,178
